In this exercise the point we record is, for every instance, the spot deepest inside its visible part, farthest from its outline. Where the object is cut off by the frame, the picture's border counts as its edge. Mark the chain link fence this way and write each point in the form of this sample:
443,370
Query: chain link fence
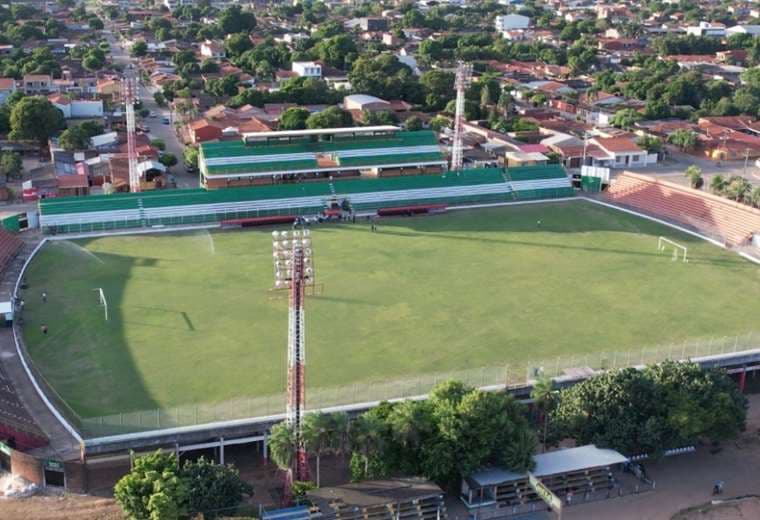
495,376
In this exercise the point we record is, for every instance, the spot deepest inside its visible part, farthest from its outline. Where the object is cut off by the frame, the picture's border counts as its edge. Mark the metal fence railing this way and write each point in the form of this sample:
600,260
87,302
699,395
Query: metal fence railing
506,375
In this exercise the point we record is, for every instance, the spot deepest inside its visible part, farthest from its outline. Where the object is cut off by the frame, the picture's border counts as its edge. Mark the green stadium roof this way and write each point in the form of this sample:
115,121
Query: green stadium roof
237,158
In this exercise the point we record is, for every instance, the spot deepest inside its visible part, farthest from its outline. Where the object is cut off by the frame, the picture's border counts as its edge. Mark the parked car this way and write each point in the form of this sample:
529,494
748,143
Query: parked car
165,120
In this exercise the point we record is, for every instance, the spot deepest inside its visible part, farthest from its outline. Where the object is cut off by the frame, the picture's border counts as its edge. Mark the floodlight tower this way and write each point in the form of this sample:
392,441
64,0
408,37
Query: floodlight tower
293,271
129,92
463,78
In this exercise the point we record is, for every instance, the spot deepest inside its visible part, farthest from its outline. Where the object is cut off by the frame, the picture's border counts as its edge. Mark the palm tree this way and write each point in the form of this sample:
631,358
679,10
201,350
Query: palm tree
367,436
738,189
718,184
518,454
694,174
281,445
756,197
342,429
543,397
318,435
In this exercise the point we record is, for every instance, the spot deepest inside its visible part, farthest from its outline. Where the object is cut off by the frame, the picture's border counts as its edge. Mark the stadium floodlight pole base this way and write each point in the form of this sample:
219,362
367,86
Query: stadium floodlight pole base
661,245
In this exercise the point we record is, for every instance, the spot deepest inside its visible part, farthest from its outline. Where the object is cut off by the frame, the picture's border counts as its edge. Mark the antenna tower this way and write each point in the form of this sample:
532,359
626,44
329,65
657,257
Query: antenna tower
463,79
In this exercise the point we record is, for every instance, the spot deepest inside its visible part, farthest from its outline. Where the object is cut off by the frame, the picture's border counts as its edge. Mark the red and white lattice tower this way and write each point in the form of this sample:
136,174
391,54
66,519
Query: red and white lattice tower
464,73
293,271
129,92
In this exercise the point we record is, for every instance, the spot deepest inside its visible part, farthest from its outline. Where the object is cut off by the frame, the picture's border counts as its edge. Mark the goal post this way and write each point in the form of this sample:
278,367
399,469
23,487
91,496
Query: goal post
663,243
103,301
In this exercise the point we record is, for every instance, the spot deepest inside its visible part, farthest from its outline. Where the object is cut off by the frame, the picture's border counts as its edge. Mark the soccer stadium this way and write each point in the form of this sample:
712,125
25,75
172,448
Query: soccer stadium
163,319
488,293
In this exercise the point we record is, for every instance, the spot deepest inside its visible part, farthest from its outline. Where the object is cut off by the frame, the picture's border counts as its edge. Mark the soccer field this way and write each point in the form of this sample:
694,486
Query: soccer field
192,319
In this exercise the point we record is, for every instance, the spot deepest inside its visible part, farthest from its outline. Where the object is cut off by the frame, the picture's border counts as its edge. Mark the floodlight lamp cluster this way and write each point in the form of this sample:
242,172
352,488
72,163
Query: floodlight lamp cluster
288,248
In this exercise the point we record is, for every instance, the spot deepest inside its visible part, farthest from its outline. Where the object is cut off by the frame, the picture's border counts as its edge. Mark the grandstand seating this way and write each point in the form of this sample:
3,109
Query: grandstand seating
734,223
15,421
427,508
10,245
182,207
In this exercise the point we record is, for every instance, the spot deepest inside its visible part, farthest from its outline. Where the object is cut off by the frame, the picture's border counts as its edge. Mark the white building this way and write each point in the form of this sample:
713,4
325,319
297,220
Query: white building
510,22
753,30
77,108
213,50
307,69
707,29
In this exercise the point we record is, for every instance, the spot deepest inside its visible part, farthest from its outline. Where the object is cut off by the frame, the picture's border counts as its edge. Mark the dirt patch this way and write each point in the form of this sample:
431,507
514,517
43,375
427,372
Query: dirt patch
48,507
748,508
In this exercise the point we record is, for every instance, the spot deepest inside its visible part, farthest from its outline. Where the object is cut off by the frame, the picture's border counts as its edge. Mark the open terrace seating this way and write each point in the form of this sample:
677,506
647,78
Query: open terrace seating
735,223
10,245
16,425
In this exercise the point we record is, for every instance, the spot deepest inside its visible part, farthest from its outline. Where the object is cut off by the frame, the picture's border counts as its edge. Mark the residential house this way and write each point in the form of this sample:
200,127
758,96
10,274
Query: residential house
622,152
308,69
707,29
213,50
77,108
37,84
373,24
753,30
7,87
510,22
364,102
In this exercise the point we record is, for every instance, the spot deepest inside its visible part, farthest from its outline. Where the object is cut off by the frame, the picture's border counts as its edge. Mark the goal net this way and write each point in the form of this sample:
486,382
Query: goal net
665,244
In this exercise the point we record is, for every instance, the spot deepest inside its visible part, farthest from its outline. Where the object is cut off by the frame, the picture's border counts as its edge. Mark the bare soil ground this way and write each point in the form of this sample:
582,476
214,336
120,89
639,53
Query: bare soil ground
51,507
748,508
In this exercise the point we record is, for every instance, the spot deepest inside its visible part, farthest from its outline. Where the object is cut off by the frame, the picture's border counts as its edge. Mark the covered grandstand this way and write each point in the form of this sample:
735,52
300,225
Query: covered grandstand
187,207
292,156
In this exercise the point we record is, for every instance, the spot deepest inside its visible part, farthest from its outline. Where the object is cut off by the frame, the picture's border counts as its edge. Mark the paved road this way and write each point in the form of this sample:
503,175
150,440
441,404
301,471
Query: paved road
157,129
673,169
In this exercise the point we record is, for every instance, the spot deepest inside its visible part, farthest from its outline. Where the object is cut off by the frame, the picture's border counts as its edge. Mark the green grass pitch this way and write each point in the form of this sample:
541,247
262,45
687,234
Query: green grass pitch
192,320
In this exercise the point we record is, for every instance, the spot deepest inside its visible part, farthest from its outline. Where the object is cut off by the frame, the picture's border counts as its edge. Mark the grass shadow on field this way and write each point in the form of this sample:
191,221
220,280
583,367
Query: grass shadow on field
99,372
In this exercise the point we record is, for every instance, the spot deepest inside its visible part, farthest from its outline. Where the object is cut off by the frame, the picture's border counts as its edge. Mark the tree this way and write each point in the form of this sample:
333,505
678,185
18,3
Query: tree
755,197
367,436
626,118
75,138
280,444
438,123
96,23
738,188
158,143
385,76
542,395
650,144
190,156
337,51
213,489
35,118
439,88
413,123
159,98
153,488
236,44
138,49
294,118
683,138
11,165
235,19
694,174
319,436
652,410
718,184
457,430
168,159
379,117
332,117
